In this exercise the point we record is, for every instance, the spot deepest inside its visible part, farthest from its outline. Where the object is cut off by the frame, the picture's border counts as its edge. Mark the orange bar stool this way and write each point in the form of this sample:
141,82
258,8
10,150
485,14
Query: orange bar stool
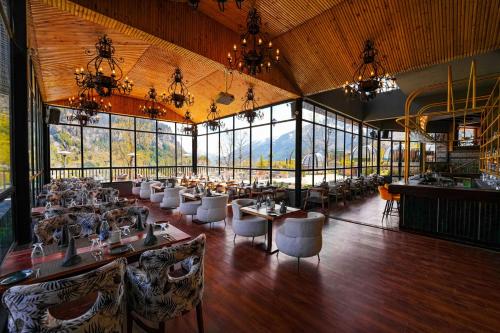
389,198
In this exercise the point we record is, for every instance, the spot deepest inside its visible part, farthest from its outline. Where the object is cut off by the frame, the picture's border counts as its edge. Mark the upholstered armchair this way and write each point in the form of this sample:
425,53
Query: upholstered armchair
145,192
48,230
212,209
156,196
171,197
106,194
155,294
188,207
122,216
28,305
106,206
247,225
136,189
301,237
55,211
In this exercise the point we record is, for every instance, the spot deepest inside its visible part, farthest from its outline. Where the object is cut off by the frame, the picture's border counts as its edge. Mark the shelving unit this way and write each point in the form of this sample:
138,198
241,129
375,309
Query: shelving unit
490,134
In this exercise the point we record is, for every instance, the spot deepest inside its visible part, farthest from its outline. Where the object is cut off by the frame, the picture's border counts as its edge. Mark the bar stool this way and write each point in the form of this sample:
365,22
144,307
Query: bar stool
390,199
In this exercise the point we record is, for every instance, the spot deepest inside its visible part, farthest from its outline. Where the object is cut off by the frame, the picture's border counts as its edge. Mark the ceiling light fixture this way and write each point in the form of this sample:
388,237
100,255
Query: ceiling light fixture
152,108
213,122
255,52
178,94
249,110
86,108
188,128
103,72
370,77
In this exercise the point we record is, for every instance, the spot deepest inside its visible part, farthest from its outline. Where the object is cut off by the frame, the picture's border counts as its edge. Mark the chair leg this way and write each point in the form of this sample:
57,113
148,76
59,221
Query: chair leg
199,318
225,223
318,258
130,323
298,263
253,238
234,239
277,252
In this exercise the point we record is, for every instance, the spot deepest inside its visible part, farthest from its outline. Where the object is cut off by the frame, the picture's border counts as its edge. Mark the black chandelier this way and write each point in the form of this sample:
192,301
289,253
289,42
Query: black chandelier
86,108
213,122
220,3
255,52
249,110
370,77
105,80
188,128
178,94
152,108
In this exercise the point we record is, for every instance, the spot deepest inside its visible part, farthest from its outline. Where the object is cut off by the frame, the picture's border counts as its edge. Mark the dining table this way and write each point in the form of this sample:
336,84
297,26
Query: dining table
272,217
49,266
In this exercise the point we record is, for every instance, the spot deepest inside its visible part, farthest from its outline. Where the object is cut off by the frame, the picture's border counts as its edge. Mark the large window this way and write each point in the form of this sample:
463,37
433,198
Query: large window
330,146
119,147
264,151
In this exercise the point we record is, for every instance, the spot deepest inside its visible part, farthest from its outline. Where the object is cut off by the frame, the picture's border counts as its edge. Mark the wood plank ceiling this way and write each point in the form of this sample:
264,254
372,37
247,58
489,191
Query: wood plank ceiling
320,40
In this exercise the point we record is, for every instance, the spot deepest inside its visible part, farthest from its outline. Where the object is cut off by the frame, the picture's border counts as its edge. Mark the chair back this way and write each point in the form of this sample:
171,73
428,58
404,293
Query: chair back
173,191
215,202
49,230
28,306
120,216
155,294
384,193
310,226
237,204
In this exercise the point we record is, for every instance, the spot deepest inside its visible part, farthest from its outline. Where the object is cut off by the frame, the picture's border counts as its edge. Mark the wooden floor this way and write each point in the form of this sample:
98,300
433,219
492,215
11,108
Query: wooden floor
367,210
369,280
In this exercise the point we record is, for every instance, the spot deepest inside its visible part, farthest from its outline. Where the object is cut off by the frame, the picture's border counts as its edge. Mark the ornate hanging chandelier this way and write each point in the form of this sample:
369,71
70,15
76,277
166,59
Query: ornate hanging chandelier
255,52
86,108
103,72
249,110
178,94
220,3
152,108
370,77
213,122
188,127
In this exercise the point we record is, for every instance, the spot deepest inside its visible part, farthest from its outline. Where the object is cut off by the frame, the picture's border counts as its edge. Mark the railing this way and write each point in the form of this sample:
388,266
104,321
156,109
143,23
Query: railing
4,179
121,173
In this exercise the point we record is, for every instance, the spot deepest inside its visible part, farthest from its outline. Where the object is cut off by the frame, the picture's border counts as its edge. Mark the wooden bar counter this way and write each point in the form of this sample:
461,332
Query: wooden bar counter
466,215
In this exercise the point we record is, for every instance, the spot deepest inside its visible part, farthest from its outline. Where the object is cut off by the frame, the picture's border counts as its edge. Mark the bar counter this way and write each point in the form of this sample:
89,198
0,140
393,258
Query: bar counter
466,215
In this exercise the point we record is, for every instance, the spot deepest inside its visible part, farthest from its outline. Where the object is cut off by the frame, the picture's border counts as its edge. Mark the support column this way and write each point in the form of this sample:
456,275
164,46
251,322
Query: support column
21,203
195,150
297,109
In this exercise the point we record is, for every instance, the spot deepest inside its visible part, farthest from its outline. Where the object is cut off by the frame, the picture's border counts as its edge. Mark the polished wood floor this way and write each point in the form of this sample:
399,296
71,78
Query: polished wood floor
367,210
369,280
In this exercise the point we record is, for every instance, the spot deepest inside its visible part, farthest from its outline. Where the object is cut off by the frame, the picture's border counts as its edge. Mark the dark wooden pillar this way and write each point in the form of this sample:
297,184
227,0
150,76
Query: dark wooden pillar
195,150
297,109
21,203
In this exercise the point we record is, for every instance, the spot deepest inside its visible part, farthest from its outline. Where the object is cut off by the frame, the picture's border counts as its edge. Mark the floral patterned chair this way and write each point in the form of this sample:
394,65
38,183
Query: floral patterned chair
155,294
121,216
28,306
48,230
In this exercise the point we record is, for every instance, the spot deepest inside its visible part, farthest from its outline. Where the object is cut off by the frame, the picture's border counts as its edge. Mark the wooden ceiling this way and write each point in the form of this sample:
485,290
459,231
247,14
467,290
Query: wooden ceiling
320,41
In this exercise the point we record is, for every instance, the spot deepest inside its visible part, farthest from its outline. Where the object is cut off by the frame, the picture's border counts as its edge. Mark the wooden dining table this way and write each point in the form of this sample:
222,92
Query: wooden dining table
48,267
272,217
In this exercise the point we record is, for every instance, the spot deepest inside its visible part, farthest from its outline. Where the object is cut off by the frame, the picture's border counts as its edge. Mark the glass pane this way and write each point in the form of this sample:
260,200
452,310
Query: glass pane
103,120
266,119
330,144
226,149
240,123
319,146
284,145
122,148
122,122
242,175
284,178
95,147
340,150
228,123
202,150
307,146
143,124
330,119
65,145
4,116
242,148
261,146
355,127
282,112
348,125
261,176
340,122
184,150
202,129
320,116
167,127
166,150
146,149
355,150
213,149
307,111
348,150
